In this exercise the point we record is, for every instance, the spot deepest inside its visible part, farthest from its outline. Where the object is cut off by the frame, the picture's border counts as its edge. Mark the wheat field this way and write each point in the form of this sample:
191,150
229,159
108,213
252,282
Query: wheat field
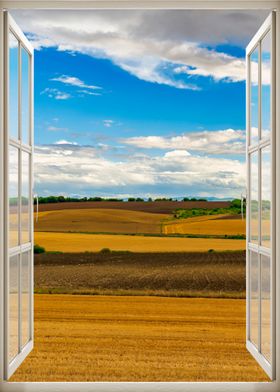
100,220
107,338
77,242
208,224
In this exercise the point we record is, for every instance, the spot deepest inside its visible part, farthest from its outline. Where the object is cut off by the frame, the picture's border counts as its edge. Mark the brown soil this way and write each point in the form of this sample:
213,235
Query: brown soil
160,207
168,274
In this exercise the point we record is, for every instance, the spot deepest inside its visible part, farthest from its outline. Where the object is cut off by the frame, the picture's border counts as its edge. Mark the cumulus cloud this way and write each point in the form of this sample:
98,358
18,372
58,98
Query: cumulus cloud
85,170
211,142
134,42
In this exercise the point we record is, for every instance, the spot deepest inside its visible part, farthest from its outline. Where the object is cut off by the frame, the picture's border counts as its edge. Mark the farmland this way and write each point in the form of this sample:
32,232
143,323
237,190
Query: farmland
140,299
100,220
159,207
79,242
161,274
138,227
213,224
108,338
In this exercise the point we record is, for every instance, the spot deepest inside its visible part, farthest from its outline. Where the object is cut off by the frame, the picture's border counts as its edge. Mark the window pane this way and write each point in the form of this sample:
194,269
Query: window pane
254,111
25,122
13,307
254,204
266,85
266,310
254,297
266,196
13,86
25,297
25,199
13,197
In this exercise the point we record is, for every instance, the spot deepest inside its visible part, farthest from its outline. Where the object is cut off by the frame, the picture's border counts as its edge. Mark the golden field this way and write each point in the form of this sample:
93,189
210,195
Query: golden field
77,242
208,224
100,221
107,338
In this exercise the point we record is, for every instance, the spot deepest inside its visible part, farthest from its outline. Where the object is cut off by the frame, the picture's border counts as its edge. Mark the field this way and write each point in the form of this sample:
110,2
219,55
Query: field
173,274
134,298
209,225
107,338
77,242
158,207
100,221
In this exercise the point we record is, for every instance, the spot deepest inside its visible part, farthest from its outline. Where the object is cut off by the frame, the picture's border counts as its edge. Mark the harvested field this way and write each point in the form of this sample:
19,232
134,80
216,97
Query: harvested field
77,242
100,221
209,225
95,338
168,274
158,207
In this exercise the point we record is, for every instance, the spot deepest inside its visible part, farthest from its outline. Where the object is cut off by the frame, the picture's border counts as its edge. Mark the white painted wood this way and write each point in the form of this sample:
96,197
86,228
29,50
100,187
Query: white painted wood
10,367
256,42
144,4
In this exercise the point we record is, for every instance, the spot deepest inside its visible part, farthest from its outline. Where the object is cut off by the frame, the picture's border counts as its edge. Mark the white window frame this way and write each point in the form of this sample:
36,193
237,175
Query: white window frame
21,147
257,147
273,386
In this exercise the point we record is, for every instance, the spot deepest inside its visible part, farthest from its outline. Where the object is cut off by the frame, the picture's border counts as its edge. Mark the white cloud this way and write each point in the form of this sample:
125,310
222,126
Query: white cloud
84,170
55,93
177,154
56,129
74,81
108,123
66,142
210,142
134,42
87,92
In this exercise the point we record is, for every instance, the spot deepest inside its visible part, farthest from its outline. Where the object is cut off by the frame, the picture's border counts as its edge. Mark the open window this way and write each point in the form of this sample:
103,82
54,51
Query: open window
261,196
18,197
261,242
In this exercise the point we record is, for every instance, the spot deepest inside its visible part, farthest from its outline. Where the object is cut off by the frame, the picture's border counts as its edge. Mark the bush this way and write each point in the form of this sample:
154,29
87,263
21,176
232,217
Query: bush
211,251
39,249
105,251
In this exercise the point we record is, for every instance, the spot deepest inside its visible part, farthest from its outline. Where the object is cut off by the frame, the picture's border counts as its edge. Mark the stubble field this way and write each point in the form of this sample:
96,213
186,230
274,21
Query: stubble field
107,338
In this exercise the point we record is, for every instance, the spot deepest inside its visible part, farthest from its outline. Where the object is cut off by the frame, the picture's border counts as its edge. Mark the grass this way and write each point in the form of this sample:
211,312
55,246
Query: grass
107,338
76,242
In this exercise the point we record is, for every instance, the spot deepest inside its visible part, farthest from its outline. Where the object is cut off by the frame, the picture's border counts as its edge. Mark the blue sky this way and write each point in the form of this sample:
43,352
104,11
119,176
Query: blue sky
126,107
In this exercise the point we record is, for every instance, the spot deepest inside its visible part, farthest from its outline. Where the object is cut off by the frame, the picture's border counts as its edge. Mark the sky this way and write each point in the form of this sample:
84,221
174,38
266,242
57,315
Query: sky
140,103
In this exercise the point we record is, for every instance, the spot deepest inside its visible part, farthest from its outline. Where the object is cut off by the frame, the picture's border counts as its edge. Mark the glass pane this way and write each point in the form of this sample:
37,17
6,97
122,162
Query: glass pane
266,85
254,204
254,297
25,297
25,199
266,310
254,110
13,197
266,196
13,307
25,122
13,86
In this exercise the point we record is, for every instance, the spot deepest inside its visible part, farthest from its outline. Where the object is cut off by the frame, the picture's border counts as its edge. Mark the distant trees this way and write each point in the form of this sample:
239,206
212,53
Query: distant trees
235,203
